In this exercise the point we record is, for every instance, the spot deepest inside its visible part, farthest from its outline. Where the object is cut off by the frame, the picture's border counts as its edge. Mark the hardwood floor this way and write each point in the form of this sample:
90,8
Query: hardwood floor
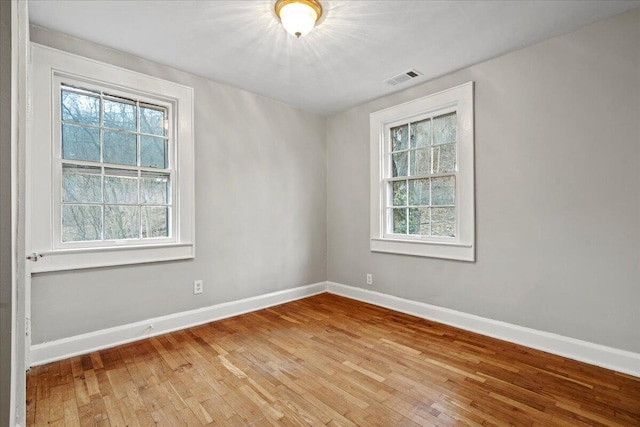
327,361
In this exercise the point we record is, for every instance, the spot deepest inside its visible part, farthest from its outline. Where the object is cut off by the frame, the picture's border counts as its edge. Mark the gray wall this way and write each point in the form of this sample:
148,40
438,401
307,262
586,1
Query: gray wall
557,191
6,271
260,212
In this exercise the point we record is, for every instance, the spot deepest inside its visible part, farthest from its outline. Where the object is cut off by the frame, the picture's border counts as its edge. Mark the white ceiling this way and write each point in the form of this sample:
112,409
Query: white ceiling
342,62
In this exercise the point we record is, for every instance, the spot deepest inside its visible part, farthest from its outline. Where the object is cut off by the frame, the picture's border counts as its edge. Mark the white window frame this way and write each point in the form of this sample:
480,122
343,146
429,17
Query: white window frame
61,79
462,246
51,67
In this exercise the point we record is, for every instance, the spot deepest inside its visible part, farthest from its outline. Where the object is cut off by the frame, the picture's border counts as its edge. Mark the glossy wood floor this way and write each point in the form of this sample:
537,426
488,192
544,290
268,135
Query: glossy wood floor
327,361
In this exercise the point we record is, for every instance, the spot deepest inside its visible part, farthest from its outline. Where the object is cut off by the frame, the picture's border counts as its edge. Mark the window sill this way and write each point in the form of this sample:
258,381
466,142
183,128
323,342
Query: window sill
75,259
445,250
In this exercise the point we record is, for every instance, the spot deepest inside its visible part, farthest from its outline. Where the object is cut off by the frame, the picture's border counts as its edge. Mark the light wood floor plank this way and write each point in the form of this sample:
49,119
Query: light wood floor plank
327,361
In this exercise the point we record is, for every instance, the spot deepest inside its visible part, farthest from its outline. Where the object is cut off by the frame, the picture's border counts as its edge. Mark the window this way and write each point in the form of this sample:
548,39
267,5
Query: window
422,190
117,149
115,161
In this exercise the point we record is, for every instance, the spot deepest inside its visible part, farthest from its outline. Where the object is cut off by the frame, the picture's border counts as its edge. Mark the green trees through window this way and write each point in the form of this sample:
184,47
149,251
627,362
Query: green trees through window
422,185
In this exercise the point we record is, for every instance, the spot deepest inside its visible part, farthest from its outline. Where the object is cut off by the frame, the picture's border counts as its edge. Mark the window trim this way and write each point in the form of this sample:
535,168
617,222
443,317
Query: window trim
461,247
43,167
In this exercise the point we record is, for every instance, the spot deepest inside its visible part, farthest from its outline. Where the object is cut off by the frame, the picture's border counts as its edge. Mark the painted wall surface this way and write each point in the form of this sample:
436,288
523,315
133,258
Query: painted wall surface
260,212
557,191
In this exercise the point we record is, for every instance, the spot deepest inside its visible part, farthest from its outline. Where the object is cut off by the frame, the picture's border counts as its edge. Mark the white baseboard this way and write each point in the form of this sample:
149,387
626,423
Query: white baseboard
583,351
111,337
595,354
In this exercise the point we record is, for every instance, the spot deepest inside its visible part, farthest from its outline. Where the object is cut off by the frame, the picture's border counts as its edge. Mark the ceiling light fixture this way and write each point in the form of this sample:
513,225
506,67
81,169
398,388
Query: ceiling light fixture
298,16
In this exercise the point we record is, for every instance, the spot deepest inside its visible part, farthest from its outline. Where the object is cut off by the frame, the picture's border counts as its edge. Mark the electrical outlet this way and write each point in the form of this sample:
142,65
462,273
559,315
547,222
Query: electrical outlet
197,287
369,279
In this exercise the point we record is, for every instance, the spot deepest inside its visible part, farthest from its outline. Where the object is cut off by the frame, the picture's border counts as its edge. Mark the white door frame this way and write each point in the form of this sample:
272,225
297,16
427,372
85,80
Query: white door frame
21,300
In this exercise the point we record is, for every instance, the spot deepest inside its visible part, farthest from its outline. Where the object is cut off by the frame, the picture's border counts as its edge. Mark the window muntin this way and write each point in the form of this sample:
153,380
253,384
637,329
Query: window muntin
421,165
115,158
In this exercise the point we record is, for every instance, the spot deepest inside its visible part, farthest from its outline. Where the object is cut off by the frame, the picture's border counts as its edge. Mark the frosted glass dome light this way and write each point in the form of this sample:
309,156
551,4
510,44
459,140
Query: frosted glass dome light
298,17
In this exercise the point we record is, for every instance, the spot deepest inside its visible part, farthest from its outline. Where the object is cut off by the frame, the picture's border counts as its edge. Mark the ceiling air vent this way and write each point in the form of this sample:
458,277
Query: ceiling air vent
403,77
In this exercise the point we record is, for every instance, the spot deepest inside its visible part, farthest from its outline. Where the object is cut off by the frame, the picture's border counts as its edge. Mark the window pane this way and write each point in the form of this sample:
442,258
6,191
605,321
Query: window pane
420,162
79,108
153,152
399,138
121,222
119,115
152,121
444,222
120,186
444,158
399,189
399,164
155,221
399,220
81,184
154,189
81,223
444,129
80,143
120,148
419,192
421,133
443,190
419,221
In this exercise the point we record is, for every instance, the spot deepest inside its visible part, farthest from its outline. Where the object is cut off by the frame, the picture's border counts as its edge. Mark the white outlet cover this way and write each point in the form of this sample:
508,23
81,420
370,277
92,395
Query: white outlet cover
197,287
